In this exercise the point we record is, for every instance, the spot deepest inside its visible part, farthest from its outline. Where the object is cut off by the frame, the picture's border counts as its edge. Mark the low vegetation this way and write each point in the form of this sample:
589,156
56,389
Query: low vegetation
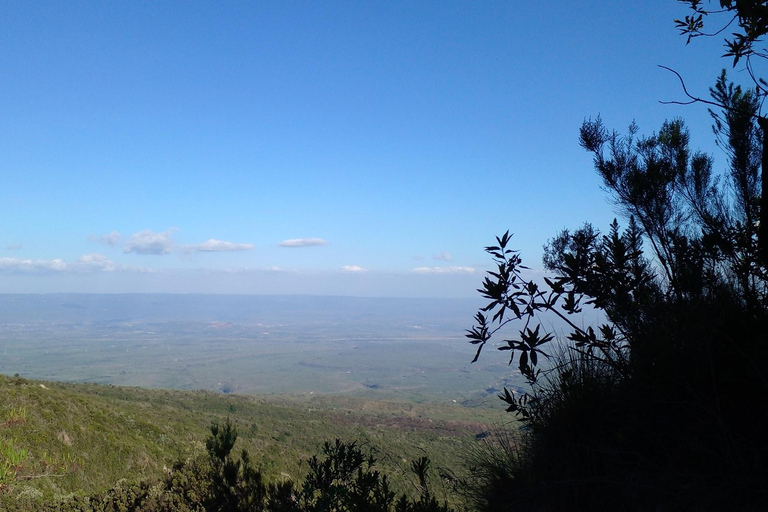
343,478
76,443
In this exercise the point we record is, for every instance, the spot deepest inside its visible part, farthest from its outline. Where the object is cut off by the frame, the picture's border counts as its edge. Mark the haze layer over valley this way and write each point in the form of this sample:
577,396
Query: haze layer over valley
383,348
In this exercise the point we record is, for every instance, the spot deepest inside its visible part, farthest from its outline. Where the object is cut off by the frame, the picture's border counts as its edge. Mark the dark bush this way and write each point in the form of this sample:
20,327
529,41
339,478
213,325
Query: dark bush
664,406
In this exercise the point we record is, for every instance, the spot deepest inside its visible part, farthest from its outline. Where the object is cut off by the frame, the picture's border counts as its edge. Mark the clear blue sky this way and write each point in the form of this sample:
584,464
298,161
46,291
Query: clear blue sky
346,148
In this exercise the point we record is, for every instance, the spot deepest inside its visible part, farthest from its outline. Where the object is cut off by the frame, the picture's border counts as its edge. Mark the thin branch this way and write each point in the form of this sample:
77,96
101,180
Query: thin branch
758,85
699,34
694,99
502,324
705,12
568,321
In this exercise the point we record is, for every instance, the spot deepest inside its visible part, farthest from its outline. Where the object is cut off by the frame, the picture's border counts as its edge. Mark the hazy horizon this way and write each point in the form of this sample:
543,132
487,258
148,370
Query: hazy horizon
378,347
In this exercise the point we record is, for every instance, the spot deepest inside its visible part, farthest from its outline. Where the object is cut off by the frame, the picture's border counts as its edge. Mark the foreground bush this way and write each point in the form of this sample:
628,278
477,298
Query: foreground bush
664,406
343,479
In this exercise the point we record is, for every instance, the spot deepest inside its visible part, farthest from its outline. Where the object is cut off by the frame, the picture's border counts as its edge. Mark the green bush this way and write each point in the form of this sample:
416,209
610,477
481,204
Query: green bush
343,479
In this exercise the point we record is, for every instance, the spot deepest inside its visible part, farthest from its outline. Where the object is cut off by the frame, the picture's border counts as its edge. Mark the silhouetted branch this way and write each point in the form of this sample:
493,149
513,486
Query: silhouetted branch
712,34
694,99
757,82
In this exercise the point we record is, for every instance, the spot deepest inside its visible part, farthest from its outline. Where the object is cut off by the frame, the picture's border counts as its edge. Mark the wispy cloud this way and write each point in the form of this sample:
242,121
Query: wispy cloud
149,242
444,270
353,269
96,262
84,264
110,239
28,265
444,256
302,242
214,245
13,247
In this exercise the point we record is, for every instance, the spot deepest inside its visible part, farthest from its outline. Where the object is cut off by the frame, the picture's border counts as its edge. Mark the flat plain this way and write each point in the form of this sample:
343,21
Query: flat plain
408,349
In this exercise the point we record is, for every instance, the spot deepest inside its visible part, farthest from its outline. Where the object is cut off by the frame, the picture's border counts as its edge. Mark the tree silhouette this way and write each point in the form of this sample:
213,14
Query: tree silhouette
748,19
663,406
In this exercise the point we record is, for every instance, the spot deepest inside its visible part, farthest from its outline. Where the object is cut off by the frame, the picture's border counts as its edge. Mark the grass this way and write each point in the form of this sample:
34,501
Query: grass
57,439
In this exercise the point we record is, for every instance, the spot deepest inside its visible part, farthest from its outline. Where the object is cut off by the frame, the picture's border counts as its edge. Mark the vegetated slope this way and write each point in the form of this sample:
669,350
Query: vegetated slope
57,439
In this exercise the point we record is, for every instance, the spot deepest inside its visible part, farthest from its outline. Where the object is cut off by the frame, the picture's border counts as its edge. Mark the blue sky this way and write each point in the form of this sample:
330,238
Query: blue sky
344,148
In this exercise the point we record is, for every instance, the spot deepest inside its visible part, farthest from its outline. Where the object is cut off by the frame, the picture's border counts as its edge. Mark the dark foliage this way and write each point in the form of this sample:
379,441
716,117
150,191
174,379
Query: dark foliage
233,484
745,23
663,407
344,479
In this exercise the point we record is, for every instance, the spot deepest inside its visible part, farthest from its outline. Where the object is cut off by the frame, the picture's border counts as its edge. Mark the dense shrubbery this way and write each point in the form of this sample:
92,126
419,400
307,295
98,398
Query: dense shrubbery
664,406
344,479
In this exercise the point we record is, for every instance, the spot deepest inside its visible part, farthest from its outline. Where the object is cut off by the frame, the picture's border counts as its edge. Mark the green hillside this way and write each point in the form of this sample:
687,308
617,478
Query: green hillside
58,439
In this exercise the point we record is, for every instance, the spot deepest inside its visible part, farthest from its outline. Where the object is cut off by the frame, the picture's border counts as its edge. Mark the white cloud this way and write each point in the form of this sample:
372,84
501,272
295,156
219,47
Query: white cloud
13,247
302,242
353,269
149,242
96,262
27,265
84,264
110,239
214,245
444,270
445,256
